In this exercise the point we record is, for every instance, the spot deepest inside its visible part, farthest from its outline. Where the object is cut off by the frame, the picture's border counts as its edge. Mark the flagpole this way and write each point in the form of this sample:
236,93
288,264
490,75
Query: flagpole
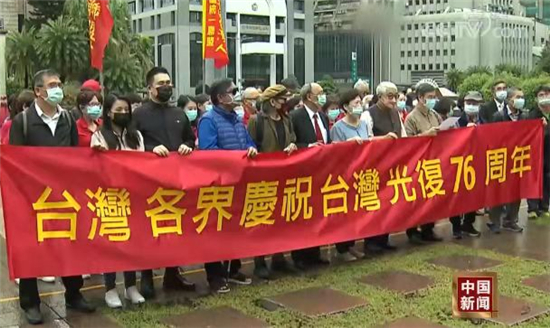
203,75
101,82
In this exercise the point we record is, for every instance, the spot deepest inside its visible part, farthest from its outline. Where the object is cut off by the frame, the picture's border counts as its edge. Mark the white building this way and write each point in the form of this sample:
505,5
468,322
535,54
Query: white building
176,29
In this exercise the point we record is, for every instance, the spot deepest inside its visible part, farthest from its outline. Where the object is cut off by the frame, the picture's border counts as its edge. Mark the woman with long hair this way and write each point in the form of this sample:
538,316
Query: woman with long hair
117,133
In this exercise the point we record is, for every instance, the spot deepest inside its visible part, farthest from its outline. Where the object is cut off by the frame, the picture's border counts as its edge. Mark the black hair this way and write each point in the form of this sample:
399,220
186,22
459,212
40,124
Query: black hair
202,98
410,99
134,98
444,106
374,100
132,136
331,100
183,100
423,89
199,87
291,83
24,99
542,88
85,96
150,77
38,79
497,82
347,96
219,88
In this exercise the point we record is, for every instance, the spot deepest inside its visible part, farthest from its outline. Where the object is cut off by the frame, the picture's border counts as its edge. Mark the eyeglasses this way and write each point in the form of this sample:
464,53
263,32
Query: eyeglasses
233,91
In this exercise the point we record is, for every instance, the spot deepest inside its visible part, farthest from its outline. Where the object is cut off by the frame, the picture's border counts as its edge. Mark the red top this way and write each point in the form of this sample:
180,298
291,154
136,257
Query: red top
5,133
84,133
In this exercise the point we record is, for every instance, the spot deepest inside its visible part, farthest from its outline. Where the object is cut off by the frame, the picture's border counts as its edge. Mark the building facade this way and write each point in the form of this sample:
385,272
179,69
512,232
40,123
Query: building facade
12,14
175,26
438,35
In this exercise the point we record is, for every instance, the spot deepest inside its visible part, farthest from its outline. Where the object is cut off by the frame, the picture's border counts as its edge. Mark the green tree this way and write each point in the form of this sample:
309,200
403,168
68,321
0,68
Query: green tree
475,82
21,55
44,10
514,70
544,61
328,85
529,85
510,79
478,69
454,78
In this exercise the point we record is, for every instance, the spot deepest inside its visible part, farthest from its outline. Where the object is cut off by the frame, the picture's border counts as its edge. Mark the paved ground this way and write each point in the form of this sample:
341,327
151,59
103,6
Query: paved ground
323,295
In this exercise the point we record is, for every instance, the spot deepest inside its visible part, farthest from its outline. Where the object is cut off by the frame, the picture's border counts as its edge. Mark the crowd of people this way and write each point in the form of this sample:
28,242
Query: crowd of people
282,118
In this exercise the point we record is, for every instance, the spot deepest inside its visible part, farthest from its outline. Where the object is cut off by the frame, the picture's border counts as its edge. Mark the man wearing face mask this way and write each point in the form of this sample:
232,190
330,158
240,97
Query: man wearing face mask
311,127
249,99
423,121
222,129
46,124
538,208
497,104
515,105
165,128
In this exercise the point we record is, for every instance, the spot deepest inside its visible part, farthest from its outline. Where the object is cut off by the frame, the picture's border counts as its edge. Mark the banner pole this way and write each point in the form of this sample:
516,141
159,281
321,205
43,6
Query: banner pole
101,82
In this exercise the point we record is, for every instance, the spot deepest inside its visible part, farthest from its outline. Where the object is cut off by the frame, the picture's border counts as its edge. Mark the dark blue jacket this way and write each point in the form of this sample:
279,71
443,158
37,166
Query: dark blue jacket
219,129
463,121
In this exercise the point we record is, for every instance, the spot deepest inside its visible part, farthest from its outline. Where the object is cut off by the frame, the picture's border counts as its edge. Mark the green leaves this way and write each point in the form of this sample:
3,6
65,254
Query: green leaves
21,55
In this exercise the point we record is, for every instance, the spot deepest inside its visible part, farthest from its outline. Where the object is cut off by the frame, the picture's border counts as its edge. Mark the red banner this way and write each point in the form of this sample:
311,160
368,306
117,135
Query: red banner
70,211
100,25
213,35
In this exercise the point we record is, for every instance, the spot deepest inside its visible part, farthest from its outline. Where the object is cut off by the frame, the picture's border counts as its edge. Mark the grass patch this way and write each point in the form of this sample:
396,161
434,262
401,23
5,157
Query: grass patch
433,304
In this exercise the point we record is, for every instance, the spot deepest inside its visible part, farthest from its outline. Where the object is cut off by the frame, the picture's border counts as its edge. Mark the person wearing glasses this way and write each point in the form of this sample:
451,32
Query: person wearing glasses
385,122
222,128
165,128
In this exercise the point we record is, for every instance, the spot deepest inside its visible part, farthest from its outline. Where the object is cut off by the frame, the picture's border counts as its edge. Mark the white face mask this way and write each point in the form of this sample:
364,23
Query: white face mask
471,109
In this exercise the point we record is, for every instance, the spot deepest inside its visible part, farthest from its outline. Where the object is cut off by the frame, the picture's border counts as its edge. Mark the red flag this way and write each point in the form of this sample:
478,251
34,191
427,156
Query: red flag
100,27
213,35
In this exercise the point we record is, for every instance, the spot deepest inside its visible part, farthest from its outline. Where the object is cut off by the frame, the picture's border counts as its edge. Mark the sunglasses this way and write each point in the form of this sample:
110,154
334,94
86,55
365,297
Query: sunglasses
233,92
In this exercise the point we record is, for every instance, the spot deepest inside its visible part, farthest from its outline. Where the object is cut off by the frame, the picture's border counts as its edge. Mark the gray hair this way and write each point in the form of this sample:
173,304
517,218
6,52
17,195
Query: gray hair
248,92
386,87
306,90
38,79
512,91
361,84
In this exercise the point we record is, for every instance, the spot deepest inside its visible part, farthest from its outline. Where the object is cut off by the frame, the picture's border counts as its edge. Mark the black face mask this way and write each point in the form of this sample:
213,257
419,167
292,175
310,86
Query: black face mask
164,93
122,119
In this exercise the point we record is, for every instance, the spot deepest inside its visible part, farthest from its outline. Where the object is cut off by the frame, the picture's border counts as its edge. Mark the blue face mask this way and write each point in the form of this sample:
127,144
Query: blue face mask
430,103
333,114
471,109
191,114
55,96
322,99
209,107
501,95
357,111
94,112
519,103
401,105
240,112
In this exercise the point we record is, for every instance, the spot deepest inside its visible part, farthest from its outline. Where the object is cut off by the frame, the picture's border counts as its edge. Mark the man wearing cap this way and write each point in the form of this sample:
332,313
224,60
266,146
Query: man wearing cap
423,121
470,118
271,130
249,98
497,104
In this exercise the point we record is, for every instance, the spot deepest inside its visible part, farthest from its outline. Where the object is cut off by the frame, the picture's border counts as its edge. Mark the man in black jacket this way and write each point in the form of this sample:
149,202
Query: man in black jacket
539,207
312,130
512,113
165,129
46,124
497,104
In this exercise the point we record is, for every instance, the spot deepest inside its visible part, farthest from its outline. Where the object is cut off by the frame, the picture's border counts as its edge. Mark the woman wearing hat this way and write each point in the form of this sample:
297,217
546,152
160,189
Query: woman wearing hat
272,131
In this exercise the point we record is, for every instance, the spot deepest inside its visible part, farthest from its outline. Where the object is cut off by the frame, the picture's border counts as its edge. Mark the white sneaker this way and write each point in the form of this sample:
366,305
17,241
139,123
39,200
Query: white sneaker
346,257
17,281
112,299
86,276
48,279
132,294
356,253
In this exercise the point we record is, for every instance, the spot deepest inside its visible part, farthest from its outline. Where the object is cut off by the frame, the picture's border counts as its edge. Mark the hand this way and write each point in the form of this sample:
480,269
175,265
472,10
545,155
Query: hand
290,149
432,132
544,121
356,139
471,125
391,135
99,148
315,144
161,151
252,152
184,150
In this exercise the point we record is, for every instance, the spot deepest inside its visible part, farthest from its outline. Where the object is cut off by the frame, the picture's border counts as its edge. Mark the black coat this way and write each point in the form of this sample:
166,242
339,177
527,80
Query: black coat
38,132
304,129
488,110
536,114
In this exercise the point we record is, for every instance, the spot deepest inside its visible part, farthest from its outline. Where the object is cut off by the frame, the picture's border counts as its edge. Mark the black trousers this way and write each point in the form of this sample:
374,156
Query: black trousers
216,271
463,220
378,240
28,291
110,279
344,247
542,204
307,255
425,229
147,275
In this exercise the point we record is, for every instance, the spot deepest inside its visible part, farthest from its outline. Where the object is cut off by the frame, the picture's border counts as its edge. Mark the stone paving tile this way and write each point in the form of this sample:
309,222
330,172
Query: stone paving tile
221,317
412,322
12,316
465,262
512,311
317,301
95,320
539,282
403,282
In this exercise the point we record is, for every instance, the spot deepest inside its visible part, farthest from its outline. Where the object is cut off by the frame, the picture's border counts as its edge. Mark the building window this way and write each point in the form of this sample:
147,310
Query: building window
132,7
431,53
402,67
445,66
453,38
158,22
431,67
452,52
402,40
166,3
173,18
409,26
423,67
134,26
416,67
402,53
140,25
423,53
195,18
299,5
152,22
299,24
409,53
445,52
300,59
416,53
409,40
255,20
438,52
148,5
438,66
409,67
453,65
195,52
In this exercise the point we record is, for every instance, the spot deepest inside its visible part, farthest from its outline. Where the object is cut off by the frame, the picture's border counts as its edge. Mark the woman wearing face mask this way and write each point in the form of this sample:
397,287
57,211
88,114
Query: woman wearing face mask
189,106
118,134
402,106
89,105
332,110
272,131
